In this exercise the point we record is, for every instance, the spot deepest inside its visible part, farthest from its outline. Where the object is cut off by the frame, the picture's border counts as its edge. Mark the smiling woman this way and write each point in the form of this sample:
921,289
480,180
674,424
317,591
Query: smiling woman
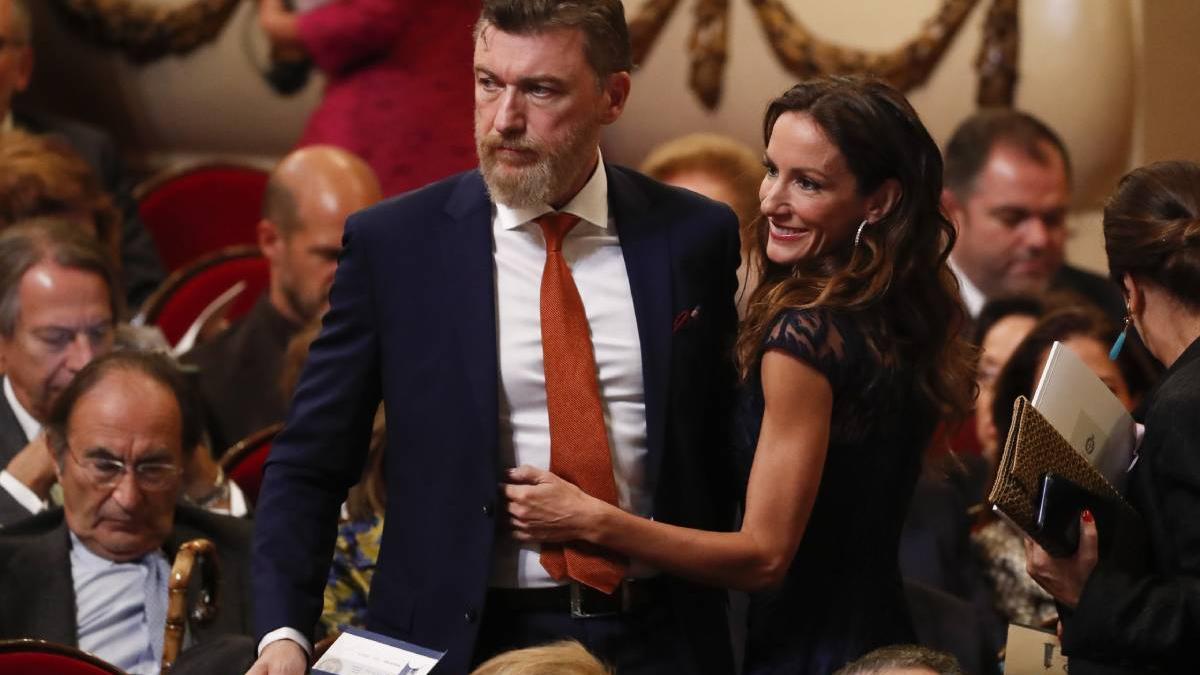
850,355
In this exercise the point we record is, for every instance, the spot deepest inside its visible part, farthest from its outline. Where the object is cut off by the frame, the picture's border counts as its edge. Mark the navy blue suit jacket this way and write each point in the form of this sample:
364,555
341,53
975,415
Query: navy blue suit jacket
412,320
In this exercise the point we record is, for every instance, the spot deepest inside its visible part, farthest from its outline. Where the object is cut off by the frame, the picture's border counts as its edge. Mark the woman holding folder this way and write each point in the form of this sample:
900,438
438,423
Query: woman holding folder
1146,614
850,355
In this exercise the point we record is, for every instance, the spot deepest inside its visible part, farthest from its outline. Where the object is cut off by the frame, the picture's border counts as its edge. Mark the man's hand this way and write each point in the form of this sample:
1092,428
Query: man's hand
34,466
281,657
545,508
1064,578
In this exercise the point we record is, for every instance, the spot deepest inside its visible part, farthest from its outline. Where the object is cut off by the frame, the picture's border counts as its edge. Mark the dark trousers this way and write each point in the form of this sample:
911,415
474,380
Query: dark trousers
643,642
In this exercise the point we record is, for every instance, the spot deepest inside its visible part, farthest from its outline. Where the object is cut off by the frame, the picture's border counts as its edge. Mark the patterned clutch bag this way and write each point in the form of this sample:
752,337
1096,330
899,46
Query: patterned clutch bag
1034,449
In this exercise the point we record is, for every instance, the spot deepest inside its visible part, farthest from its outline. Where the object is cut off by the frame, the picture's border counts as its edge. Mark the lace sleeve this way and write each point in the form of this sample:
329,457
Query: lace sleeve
813,336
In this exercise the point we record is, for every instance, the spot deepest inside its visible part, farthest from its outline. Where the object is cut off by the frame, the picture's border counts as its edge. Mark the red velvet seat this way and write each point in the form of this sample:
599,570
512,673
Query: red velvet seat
188,292
200,209
21,657
243,463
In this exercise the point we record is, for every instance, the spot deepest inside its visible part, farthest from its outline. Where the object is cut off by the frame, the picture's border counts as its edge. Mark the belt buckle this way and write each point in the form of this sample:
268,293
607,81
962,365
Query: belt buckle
579,605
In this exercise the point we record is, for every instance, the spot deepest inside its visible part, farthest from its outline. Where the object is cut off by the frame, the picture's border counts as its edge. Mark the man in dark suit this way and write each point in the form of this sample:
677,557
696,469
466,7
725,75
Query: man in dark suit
95,573
1008,190
57,313
435,308
141,270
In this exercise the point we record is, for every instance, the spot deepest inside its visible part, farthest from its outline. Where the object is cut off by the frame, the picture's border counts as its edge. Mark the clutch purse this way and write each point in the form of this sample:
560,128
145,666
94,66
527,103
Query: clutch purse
1033,450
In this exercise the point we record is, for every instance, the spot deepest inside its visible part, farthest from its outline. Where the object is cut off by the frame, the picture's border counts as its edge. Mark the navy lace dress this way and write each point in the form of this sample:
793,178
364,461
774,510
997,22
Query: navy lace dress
842,596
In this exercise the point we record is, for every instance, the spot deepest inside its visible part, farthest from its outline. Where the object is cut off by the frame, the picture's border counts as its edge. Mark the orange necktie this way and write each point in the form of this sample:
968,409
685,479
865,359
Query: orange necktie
579,449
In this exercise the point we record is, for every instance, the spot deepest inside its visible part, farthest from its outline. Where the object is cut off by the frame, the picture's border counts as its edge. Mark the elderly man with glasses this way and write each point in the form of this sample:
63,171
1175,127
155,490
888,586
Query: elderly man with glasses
94,574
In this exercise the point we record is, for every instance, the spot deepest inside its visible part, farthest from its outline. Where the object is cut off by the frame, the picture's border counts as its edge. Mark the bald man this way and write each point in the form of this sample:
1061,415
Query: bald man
308,198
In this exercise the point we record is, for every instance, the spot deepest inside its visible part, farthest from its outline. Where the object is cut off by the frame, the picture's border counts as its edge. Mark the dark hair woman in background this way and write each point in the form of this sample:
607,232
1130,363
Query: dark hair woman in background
1147,615
850,355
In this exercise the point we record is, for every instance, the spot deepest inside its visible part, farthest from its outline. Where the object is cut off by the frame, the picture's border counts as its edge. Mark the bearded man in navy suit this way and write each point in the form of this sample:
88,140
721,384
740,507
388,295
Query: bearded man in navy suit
435,310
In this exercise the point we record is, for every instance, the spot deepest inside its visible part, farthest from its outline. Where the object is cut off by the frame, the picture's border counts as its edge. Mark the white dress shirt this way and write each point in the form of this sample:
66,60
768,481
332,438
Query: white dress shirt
120,608
31,427
972,297
593,252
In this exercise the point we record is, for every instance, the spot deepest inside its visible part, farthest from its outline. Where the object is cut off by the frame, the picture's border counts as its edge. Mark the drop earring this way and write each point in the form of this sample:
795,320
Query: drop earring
1119,343
858,235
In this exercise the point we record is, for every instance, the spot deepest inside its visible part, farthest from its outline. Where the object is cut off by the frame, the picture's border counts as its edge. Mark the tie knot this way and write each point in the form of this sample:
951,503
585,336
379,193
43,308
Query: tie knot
555,227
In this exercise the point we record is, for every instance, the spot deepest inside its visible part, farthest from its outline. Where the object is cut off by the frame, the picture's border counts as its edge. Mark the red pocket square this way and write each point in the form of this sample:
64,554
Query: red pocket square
683,318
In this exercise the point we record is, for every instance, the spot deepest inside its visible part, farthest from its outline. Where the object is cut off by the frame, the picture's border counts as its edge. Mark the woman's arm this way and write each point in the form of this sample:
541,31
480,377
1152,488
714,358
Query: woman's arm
783,486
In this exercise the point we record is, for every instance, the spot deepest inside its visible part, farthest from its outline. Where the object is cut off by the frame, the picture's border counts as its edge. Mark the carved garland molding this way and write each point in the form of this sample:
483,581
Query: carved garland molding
145,30
806,55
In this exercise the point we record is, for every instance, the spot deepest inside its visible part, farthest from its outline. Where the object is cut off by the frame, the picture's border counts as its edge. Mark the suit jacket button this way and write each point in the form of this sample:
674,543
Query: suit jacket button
487,510
470,615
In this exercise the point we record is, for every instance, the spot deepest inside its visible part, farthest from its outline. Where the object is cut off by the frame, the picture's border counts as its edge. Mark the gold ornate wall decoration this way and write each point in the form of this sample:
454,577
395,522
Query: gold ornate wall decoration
904,67
146,30
645,27
805,55
708,47
997,60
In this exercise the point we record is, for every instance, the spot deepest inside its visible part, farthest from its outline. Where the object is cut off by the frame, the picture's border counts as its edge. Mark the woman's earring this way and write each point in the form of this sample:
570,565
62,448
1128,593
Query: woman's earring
858,235
1120,341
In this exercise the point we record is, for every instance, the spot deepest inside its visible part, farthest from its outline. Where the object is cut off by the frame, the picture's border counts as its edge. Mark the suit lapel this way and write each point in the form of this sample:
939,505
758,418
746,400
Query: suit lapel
47,590
12,438
646,248
470,300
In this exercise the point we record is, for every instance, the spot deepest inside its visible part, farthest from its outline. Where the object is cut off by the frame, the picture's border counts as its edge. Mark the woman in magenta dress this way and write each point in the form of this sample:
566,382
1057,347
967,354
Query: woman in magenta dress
398,87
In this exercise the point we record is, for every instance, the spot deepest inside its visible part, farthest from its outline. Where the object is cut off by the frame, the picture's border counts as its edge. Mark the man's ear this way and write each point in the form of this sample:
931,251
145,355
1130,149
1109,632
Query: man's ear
884,200
616,95
270,240
952,207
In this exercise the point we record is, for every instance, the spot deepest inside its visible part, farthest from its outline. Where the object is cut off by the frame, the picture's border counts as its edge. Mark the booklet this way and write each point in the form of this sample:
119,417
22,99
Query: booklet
1087,414
361,652
1030,651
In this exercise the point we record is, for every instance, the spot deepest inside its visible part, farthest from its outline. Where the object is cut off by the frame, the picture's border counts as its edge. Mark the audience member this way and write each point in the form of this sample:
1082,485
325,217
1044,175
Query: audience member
560,658
1000,327
436,310
1137,607
719,168
58,306
309,195
394,89
141,269
95,573
903,660
43,176
850,354
1008,190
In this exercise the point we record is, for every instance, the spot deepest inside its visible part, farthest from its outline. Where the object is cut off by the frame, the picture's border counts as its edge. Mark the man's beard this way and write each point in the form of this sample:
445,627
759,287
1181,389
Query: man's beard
553,172
306,309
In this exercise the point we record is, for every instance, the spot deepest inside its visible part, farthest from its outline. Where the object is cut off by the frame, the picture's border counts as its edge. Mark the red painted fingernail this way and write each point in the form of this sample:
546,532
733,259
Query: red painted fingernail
1087,516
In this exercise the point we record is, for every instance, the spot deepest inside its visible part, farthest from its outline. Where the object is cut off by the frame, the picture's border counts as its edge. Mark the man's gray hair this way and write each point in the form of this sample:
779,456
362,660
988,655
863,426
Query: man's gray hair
31,242
885,659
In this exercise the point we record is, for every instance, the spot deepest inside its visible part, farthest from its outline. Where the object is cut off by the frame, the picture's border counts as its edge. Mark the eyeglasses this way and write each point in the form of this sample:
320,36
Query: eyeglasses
106,472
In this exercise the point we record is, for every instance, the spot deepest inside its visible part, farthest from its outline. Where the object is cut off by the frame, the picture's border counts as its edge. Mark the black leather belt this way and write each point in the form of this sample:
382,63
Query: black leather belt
583,602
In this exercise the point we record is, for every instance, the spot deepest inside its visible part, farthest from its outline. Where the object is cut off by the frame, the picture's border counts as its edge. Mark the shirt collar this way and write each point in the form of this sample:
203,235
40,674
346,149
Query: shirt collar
82,555
590,203
972,297
29,425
